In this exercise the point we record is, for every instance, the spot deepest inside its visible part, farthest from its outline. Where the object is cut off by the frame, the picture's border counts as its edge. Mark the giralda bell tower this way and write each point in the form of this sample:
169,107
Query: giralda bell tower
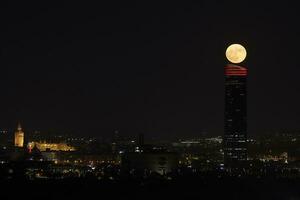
235,130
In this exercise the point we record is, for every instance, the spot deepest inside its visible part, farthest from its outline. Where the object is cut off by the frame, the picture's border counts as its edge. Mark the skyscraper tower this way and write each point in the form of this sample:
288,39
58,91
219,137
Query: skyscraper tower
19,136
141,140
235,133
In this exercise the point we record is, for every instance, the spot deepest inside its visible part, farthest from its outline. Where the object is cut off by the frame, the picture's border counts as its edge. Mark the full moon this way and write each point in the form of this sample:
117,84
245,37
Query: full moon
236,53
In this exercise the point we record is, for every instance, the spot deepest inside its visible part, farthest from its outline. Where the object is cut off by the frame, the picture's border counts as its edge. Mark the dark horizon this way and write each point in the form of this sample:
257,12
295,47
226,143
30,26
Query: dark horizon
151,68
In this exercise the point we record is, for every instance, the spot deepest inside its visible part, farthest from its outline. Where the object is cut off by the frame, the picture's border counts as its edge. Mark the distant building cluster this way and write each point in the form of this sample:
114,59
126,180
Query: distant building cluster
59,156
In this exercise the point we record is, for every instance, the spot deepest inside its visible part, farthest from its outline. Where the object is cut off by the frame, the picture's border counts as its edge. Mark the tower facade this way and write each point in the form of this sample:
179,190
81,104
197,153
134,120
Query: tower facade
235,133
19,136
141,140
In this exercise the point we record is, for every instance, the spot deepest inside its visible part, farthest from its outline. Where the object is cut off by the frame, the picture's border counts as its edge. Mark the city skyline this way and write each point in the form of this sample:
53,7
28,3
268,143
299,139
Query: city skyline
145,100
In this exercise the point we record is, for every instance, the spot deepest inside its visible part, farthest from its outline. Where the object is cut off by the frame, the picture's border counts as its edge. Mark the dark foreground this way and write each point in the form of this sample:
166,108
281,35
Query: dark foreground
182,188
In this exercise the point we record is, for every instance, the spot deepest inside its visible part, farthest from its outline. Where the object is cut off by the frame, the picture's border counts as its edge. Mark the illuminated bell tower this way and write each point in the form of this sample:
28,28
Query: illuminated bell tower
19,136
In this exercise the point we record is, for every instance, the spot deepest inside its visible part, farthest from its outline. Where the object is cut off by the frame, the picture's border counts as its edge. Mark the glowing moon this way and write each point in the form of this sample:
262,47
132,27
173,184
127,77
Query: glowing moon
236,53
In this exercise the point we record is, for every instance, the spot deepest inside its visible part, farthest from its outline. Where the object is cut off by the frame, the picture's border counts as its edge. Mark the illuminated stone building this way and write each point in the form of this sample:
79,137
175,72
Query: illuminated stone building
235,134
19,137
44,146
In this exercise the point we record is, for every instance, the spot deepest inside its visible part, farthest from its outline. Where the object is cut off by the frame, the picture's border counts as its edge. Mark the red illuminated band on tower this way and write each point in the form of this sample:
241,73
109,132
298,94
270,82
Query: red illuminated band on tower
235,70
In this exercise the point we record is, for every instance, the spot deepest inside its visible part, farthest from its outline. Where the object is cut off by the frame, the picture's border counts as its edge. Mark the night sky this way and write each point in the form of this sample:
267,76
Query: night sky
146,67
